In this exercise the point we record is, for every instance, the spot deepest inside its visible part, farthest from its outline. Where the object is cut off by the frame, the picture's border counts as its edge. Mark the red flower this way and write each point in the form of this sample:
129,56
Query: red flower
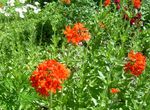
48,77
136,63
77,34
107,2
132,21
136,19
118,6
117,1
114,90
138,15
66,1
136,3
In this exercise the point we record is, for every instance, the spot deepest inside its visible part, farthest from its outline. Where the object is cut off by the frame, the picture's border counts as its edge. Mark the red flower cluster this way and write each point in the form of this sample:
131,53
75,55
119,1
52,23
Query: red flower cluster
107,2
136,19
136,64
136,3
77,34
114,90
132,21
48,77
66,1
117,2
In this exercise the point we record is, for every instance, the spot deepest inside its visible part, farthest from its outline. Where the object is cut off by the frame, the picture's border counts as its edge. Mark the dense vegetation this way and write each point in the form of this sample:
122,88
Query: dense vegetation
32,33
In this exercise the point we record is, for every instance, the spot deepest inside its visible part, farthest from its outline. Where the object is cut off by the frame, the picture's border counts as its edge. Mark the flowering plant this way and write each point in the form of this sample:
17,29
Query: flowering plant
136,63
20,7
48,77
77,34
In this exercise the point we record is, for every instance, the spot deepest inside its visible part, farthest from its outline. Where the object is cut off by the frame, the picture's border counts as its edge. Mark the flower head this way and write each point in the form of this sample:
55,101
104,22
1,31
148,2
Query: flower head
116,1
66,1
136,19
22,1
114,90
107,2
136,63
77,34
118,6
136,3
48,77
132,21
11,2
138,15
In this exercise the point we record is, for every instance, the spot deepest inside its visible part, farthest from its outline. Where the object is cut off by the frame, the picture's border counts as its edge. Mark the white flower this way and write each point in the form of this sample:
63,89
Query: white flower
36,10
21,15
1,10
45,3
24,9
6,14
18,9
37,3
21,11
30,6
11,2
22,1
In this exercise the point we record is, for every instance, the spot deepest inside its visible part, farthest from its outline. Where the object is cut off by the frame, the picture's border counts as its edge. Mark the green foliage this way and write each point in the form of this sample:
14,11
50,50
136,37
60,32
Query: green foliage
96,66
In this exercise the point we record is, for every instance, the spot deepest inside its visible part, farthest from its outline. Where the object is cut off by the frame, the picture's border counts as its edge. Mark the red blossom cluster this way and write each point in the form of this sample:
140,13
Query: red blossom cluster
117,3
136,19
48,77
136,3
114,90
77,34
107,2
136,63
66,1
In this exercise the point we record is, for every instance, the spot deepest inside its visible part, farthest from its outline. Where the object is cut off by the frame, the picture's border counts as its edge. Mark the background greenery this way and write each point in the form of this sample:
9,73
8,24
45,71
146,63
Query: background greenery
96,67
